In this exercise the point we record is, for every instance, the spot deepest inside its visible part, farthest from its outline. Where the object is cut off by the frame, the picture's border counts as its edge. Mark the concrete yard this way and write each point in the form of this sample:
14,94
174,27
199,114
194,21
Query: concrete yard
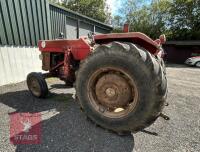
65,127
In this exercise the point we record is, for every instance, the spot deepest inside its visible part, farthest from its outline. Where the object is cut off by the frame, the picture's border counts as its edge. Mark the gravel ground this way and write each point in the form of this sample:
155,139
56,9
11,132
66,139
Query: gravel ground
65,128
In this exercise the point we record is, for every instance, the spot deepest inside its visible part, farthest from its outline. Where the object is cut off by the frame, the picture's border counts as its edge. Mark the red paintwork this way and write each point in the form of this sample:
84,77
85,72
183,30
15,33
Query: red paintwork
79,48
135,37
126,28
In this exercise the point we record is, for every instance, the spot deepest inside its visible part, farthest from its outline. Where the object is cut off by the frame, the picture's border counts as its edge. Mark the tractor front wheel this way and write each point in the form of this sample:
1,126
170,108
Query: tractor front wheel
37,85
121,87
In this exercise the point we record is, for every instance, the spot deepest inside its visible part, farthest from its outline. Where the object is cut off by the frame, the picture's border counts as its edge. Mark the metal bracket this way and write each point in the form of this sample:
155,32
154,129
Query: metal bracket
164,116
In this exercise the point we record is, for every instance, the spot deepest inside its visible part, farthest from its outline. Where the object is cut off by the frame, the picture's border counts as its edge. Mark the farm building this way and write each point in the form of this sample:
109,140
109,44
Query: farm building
179,51
24,22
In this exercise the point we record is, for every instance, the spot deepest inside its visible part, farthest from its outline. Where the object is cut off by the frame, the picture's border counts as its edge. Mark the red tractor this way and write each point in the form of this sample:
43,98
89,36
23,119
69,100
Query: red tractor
119,78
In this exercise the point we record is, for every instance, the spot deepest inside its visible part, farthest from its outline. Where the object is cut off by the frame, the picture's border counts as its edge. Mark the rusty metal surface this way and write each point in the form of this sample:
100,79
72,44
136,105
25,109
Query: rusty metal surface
112,92
45,61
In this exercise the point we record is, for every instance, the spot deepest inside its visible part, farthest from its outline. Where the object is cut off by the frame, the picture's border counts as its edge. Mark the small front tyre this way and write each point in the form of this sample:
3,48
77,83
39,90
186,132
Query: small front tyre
37,85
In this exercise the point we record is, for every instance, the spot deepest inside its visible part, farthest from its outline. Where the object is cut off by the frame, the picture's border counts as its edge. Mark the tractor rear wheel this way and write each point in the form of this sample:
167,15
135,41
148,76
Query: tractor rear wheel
121,87
37,85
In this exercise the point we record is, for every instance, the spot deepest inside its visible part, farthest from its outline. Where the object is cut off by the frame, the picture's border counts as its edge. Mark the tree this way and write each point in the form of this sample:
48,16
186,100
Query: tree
117,24
184,19
96,9
149,19
178,19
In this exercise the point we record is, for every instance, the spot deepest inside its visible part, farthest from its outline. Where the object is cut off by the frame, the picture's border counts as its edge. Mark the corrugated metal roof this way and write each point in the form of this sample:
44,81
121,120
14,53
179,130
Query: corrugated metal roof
24,22
80,15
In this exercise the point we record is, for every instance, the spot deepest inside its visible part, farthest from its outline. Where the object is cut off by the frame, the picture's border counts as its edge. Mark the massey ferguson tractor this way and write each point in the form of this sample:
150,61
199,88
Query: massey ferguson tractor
119,78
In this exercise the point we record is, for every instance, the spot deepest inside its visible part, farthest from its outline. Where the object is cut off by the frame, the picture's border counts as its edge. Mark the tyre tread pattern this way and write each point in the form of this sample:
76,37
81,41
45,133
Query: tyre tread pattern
155,67
41,81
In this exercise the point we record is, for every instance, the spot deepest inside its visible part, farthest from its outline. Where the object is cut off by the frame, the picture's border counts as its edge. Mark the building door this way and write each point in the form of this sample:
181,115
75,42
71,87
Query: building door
85,29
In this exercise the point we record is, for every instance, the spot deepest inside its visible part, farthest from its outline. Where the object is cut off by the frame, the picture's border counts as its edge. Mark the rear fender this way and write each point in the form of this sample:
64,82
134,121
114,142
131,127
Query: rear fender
134,37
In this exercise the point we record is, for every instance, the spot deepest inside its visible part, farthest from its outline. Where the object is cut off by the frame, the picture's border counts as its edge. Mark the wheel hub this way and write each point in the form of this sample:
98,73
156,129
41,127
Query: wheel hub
113,91
110,92
35,87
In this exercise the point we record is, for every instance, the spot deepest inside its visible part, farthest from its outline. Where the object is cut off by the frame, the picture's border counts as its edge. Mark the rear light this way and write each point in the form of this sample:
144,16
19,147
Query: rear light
162,39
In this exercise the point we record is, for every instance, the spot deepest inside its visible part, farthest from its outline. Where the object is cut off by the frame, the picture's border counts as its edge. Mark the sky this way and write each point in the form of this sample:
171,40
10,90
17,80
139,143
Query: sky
114,6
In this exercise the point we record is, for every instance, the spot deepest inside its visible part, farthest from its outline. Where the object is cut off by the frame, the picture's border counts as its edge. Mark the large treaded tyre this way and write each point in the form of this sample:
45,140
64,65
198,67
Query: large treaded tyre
37,85
134,68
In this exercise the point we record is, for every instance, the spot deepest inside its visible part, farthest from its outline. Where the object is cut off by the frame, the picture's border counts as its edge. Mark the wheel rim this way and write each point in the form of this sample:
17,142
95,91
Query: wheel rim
34,87
112,92
198,64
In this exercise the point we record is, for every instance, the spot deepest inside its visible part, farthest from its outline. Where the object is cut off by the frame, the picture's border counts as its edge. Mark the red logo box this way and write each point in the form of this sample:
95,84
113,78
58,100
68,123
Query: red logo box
25,128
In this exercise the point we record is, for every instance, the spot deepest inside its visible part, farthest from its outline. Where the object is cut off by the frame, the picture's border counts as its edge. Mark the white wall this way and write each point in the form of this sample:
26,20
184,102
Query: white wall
16,62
